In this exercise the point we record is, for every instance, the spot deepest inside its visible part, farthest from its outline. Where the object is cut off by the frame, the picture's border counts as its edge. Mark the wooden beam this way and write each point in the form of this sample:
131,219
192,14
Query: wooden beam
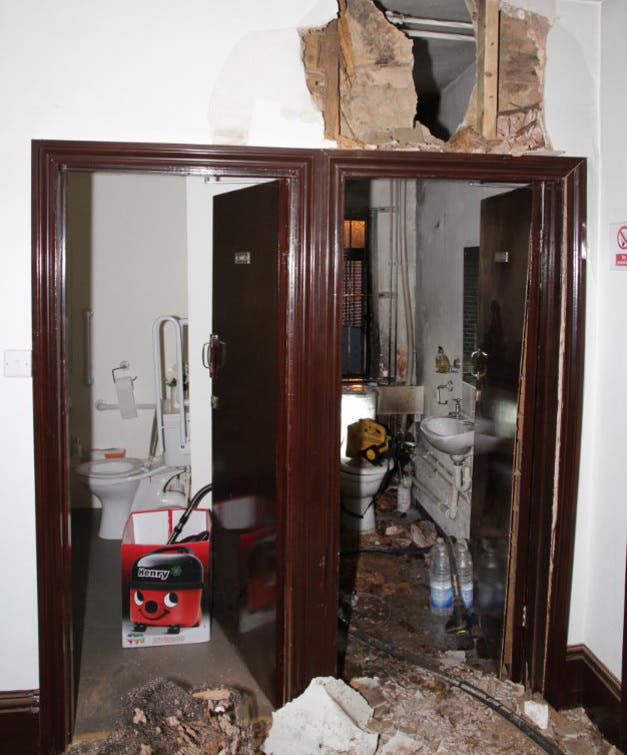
488,67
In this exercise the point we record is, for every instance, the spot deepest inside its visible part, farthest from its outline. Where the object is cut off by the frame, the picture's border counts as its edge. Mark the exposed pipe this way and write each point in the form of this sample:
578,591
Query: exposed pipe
462,481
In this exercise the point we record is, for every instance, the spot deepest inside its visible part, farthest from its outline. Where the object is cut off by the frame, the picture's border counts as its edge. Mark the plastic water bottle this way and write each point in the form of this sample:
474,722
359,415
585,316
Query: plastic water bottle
441,589
490,590
463,560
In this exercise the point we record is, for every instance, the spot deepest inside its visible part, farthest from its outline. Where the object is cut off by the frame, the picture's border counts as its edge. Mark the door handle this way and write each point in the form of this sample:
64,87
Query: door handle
479,361
214,354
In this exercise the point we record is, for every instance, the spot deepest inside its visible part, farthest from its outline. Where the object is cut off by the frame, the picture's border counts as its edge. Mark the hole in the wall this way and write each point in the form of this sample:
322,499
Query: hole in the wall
444,52
417,73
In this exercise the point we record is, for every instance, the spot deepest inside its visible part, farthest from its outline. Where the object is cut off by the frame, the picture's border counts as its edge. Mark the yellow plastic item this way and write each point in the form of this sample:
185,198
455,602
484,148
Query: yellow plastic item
368,439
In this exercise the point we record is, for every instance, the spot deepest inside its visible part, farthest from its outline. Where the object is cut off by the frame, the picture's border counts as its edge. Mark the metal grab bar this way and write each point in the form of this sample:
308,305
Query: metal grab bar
179,323
88,316
103,406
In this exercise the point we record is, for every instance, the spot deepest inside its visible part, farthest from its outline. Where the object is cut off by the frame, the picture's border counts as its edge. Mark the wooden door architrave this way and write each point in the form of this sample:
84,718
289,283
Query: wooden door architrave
308,484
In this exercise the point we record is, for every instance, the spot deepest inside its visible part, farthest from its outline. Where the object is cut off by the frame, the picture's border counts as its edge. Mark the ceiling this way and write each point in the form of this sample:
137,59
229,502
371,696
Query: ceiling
442,51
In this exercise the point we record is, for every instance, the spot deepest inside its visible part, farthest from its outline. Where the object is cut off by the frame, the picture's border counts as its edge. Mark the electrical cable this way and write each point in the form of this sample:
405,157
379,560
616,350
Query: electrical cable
407,550
475,692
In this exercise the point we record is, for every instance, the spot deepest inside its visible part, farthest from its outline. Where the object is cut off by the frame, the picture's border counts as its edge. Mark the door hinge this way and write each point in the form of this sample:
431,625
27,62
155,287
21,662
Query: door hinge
524,617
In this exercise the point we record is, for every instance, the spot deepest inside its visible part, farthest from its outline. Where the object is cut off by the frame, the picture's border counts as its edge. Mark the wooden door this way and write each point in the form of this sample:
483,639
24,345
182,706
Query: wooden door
245,397
503,272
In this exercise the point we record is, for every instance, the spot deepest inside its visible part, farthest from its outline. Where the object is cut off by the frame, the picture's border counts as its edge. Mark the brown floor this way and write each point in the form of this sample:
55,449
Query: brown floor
105,671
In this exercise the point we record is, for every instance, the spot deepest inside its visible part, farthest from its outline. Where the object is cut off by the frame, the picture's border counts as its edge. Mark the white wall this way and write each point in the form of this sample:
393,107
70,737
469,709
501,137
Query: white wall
589,121
141,71
150,71
585,116
132,268
608,528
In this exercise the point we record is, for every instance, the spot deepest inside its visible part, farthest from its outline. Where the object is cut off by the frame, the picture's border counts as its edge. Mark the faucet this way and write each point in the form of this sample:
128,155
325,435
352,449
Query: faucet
457,413
449,387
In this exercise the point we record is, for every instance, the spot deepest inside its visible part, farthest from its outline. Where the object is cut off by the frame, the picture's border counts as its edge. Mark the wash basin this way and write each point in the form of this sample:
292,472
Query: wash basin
452,435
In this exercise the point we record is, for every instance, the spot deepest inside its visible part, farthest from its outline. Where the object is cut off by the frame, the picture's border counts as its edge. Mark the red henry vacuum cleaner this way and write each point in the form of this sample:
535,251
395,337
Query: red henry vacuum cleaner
166,584
166,589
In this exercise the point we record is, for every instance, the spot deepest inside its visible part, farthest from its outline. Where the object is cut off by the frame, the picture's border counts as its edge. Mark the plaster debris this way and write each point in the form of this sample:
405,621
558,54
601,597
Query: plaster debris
400,744
162,718
329,717
452,658
423,533
370,689
538,712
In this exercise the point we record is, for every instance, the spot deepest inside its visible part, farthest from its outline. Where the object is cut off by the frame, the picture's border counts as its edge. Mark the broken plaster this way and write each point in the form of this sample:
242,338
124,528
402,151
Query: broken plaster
359,72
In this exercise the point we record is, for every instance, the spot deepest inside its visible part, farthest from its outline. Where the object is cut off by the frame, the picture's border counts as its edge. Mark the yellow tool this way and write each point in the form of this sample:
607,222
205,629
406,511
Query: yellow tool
369,440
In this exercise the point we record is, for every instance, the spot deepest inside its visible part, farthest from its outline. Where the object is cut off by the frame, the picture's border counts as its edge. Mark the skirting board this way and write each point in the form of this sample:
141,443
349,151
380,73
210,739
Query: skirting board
19,722
591,686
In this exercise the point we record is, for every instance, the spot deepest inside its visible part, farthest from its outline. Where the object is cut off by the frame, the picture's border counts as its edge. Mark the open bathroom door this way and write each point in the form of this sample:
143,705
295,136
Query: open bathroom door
248,241
506,229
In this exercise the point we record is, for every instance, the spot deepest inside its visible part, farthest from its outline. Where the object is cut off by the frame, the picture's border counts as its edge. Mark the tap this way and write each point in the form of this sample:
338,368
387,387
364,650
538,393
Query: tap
457,412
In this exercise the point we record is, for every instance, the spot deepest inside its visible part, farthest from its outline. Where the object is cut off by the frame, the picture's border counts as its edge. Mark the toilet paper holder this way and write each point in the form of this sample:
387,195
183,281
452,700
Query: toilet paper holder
122,366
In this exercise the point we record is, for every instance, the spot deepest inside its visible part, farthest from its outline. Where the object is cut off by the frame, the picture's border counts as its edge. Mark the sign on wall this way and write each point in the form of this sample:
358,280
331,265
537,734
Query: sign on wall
618,245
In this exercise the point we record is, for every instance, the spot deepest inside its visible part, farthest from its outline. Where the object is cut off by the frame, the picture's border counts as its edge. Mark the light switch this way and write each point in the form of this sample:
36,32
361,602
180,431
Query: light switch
17,363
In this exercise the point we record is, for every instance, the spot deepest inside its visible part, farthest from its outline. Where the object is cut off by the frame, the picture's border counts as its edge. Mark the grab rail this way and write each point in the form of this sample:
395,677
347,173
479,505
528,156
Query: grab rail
179,323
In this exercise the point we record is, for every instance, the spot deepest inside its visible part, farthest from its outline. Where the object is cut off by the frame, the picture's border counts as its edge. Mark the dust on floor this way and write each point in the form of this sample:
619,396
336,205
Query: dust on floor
397,656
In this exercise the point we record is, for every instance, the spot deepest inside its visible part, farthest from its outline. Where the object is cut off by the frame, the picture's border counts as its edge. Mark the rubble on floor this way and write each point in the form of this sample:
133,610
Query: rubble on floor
162,718
398,655
407,688
412,710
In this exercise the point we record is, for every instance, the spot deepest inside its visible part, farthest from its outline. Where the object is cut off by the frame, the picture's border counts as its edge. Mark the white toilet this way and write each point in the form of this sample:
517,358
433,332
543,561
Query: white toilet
359,479
125,484
359,483
122,485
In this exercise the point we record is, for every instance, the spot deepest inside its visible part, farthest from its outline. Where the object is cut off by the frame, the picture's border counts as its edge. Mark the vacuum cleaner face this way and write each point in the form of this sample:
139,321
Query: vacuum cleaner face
166,588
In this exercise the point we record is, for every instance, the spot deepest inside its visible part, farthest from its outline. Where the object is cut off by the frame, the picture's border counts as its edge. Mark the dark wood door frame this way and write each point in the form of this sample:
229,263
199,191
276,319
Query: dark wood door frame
553,386
308,483
302,405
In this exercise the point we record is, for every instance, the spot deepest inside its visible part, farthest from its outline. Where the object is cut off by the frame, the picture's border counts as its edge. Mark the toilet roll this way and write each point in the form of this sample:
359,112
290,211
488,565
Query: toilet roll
126,398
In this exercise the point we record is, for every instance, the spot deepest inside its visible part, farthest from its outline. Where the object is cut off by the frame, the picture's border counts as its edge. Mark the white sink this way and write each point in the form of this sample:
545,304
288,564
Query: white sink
454,436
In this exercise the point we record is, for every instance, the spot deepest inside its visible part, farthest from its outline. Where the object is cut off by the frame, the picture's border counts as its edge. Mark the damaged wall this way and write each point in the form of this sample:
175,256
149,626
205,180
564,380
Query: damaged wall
158,84
359,70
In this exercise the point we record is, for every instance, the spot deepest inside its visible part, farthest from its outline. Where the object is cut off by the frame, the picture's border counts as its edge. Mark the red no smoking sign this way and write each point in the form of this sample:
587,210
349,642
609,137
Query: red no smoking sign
618,248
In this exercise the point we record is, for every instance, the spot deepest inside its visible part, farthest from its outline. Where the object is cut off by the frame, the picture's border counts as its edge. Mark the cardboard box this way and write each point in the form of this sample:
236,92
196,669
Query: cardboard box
165,588
245,549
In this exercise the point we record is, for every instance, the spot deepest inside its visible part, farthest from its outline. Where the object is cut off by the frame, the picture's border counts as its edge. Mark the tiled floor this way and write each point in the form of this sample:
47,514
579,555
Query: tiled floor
105,671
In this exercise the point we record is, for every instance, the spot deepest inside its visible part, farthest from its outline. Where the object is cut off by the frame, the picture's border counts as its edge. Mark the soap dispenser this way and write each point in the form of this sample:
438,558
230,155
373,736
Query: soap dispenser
442,362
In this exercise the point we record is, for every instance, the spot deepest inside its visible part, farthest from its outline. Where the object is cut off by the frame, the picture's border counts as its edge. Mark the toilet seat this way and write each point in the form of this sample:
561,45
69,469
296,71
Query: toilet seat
110,469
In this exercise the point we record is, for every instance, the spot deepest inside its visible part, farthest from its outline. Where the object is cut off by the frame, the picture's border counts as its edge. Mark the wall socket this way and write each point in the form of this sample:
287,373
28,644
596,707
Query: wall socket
17,363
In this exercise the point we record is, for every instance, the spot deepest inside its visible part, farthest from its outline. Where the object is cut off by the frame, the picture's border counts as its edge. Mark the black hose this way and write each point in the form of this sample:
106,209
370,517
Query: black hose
470,689
407,550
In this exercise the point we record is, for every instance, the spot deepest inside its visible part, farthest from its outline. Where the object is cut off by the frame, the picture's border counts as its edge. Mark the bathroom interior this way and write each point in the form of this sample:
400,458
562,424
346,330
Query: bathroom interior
138,269
435,276
428,264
